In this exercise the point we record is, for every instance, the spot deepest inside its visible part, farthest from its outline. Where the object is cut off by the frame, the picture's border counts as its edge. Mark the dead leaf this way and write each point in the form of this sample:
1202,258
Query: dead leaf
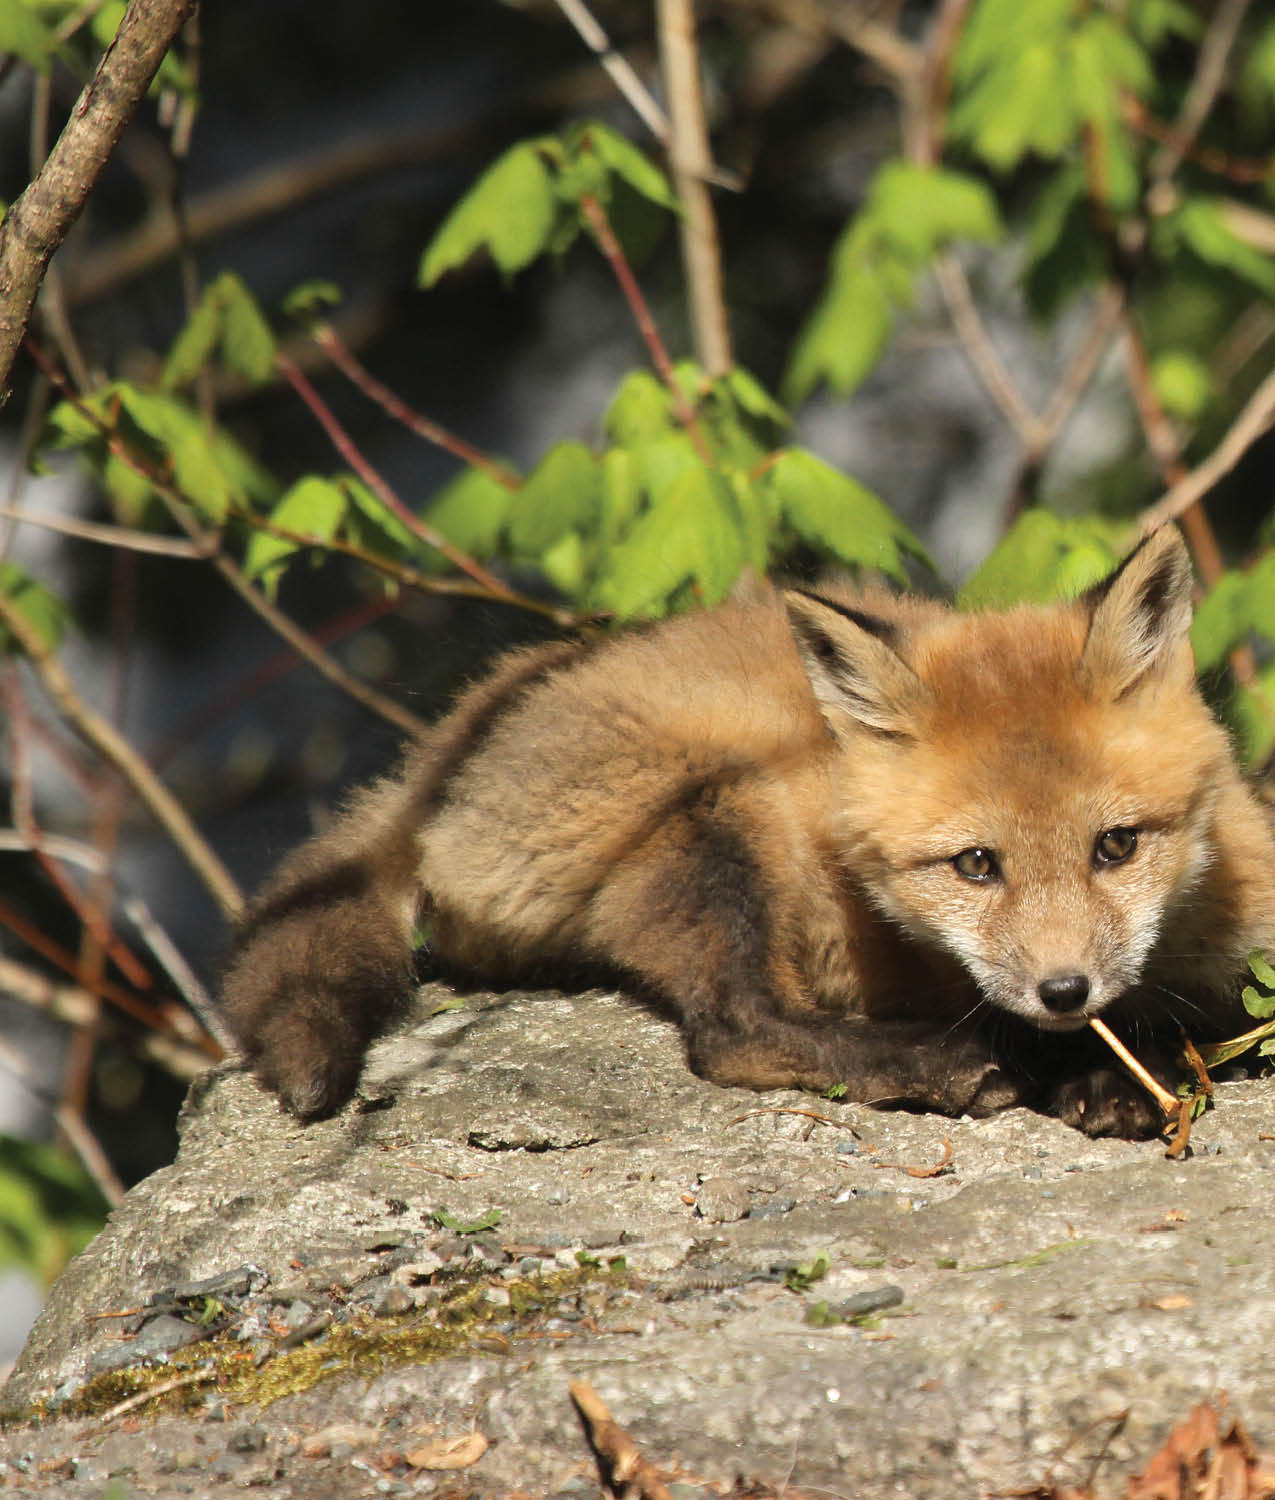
1174,1302
448,1453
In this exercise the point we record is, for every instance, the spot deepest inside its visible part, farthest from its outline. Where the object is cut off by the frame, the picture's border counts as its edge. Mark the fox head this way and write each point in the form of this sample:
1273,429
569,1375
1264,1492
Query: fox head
1031,790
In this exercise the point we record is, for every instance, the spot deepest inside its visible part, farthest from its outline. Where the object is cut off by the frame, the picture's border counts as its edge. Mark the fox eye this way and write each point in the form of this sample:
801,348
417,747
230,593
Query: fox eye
1115,846
977,864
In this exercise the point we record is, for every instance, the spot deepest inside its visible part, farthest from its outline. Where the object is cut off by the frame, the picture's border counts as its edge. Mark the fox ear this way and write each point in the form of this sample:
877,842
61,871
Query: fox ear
853,667
1141,614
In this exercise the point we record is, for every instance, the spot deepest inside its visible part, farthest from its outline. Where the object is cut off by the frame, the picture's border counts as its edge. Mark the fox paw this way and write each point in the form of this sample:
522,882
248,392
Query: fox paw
1107,1102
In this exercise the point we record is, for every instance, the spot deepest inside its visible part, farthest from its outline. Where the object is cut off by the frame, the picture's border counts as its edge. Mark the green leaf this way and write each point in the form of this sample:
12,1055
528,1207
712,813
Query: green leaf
1155,21
193,346
512,211
1260,1007
837,516
1202,225
565,565
754,398
640,409
687,535
623,158
22,32
619,496
444,1220
311,299
313,507
910,213
921,209
1261,969
1035,562
803,1276
1183,382
843,338
246,340
1221,620
130,492
43,611
471,512
179,433
559,495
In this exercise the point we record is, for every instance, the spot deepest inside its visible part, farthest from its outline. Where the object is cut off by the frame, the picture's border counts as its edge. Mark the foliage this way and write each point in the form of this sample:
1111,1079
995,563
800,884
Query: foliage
49,1208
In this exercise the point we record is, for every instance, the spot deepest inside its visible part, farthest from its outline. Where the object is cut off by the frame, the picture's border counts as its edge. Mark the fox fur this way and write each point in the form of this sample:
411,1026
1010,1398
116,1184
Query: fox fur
845,837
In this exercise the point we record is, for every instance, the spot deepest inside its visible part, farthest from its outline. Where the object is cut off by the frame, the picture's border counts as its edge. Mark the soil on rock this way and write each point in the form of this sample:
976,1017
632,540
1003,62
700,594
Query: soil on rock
536,1190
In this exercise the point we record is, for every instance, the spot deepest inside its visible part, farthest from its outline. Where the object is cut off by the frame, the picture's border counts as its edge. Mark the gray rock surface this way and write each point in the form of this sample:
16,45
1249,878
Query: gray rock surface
1016,1302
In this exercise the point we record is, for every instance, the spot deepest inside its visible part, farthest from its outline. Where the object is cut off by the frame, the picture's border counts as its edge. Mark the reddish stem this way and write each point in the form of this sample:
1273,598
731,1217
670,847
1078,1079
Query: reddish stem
348,449
339,352
623,272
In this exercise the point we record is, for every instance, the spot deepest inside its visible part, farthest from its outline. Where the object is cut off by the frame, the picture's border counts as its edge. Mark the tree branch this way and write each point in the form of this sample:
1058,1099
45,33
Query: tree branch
37,223
112,746
691,162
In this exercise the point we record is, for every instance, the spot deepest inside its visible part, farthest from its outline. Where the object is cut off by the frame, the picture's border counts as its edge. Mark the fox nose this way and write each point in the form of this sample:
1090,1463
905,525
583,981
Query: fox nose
1063,992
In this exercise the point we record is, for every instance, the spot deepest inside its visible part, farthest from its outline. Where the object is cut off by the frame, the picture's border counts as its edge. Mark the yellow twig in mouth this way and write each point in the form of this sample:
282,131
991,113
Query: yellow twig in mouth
1168,1102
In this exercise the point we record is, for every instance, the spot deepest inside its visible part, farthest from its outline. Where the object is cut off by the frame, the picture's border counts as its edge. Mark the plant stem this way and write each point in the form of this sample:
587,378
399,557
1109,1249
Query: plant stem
691,163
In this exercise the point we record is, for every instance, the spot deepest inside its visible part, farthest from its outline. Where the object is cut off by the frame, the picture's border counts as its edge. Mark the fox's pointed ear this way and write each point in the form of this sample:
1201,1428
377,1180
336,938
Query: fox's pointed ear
852,664
1141,614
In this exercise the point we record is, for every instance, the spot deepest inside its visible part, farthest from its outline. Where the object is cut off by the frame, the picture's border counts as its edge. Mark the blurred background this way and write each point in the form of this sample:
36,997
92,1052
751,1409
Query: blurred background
318,142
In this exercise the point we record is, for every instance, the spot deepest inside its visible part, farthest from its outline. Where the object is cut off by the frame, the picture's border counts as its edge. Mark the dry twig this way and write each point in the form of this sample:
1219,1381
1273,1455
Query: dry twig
691,162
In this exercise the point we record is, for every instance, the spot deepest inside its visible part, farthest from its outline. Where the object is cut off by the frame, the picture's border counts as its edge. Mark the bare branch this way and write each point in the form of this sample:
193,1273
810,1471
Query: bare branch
1210,73
691,161
1257,418
646,325
618,68
37,222
110,536
75,1006
112,746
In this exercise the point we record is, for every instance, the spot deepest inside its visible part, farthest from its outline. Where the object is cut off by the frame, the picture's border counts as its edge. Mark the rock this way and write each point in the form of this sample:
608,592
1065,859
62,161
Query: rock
1047,1281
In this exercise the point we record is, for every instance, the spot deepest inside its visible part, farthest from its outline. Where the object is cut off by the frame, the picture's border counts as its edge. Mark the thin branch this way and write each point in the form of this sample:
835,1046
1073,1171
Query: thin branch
690,160
105,989
180,972
618,68
305,646
24,816
1256,419
400,573
898,57
623,272
74,1006
982,353
1210,74
1084,364
1245,169
210,545
112,746
273,190
348,449
110,536
339,352
37,222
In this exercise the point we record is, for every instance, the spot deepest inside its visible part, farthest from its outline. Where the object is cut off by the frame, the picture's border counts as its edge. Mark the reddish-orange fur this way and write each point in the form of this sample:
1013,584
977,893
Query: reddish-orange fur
760,817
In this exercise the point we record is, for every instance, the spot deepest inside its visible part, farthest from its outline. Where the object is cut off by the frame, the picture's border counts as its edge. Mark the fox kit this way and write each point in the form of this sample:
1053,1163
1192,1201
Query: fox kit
845,837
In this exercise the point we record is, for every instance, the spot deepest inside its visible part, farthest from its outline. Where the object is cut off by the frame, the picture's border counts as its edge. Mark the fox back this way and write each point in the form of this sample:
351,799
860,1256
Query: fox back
845,837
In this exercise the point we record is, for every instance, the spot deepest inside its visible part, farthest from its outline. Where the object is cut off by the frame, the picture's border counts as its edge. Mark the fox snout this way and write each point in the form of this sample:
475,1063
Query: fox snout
1063,994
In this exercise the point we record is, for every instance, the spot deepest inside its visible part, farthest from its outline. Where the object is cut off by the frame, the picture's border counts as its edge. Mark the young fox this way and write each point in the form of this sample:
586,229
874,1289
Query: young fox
845,837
